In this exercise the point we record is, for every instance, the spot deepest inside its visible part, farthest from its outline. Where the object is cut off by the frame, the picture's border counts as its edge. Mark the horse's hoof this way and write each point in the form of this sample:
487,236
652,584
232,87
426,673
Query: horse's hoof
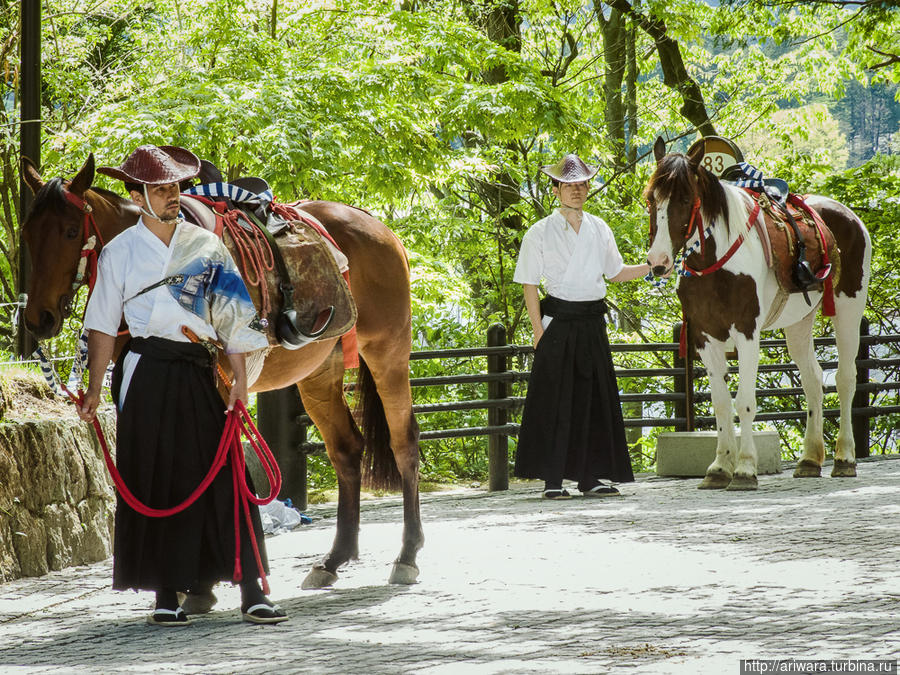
742,483
715,480
807,469
404,574
318,577
197,603
843,469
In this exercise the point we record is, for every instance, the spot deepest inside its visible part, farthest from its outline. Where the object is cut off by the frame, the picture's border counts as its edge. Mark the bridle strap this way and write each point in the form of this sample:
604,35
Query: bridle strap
754,214
87,265
694,211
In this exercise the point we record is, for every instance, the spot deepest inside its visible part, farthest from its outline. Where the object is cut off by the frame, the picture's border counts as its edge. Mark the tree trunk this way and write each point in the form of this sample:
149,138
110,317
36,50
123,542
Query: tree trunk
631,73
615,56
675,75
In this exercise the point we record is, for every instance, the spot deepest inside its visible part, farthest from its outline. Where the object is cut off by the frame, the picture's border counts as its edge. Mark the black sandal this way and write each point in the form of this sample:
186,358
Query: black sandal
556,493
601,490
262,613
169,617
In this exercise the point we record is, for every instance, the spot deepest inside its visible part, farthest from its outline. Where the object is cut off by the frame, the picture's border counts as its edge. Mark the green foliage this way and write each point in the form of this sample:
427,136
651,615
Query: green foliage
435,120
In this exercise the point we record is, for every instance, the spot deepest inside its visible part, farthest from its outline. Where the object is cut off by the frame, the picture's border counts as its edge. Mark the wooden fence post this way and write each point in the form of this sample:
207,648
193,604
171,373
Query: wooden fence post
861,423
498,444
278,414
684,385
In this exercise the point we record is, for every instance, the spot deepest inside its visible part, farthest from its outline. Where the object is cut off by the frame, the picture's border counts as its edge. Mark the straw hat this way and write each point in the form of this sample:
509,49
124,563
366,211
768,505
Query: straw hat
152,165
570,169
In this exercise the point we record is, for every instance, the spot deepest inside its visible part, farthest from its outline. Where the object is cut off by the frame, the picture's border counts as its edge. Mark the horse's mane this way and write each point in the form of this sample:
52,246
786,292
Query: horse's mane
674,177
51,197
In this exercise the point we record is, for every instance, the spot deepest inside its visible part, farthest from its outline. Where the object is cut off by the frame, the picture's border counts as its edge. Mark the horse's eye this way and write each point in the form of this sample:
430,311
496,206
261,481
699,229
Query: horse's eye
72,233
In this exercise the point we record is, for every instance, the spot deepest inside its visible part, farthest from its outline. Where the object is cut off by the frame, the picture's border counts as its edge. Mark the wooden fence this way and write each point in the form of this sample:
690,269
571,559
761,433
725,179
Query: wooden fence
284,424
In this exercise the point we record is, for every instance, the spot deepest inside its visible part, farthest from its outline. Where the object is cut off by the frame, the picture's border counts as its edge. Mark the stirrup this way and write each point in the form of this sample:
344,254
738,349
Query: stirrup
289,334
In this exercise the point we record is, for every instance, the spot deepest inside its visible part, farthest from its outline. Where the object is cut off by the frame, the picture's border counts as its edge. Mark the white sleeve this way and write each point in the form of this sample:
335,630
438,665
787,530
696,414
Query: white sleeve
612,259
530,265
104,309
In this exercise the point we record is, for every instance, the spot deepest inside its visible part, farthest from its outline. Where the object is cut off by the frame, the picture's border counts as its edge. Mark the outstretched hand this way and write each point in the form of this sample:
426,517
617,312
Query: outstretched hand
87,407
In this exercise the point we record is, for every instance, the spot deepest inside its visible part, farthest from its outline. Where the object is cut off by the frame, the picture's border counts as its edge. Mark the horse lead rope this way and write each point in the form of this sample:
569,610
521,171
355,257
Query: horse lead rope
238,423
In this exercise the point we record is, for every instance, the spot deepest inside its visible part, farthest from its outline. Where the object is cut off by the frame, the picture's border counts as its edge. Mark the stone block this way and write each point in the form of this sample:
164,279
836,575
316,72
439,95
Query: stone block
57,504
689,453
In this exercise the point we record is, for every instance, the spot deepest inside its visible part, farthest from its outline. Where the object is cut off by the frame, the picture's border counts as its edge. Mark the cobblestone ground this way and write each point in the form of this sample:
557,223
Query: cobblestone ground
667,579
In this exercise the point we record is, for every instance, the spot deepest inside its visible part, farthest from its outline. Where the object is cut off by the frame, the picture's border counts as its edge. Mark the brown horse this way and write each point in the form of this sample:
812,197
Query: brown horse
379,279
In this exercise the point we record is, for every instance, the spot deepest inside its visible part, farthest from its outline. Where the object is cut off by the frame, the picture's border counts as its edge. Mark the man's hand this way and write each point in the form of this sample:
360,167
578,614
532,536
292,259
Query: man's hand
88,408
538,334
238,393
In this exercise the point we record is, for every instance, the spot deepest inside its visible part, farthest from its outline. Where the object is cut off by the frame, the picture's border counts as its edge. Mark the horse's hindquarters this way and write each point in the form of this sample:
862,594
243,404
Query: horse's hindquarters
284,368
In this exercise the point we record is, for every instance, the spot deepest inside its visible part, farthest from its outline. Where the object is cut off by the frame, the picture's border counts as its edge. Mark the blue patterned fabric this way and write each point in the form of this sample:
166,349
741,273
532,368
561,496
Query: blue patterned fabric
233,192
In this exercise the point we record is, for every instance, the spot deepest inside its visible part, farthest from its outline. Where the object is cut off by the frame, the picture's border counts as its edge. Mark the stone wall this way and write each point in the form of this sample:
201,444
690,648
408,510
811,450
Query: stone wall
57,502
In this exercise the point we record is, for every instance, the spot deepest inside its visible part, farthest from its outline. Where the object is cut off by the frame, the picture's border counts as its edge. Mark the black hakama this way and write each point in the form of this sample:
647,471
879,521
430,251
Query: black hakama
168,432
572,423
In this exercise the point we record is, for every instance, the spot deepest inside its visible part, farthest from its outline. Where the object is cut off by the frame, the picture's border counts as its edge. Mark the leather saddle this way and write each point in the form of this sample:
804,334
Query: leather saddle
804,252
309,297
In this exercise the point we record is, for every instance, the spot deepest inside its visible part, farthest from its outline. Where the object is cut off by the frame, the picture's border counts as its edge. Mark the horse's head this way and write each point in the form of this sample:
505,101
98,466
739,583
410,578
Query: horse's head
55,231
679,195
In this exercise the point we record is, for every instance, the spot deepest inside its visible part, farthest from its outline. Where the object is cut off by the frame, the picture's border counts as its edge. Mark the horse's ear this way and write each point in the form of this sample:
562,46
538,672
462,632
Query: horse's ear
30,175
695,155
84,178
659,149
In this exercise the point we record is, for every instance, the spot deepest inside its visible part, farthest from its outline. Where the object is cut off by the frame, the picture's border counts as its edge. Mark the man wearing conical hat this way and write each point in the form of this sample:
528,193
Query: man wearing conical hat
161,275
572,424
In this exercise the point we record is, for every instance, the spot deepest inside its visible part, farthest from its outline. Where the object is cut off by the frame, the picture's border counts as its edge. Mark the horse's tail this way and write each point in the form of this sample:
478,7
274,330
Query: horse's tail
379,467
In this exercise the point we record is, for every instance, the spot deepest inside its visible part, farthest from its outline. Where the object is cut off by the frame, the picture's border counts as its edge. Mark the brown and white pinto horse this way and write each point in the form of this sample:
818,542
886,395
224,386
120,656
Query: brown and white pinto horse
736,300
379,281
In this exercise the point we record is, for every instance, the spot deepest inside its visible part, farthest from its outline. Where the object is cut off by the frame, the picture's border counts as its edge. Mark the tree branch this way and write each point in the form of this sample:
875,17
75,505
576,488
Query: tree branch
675,75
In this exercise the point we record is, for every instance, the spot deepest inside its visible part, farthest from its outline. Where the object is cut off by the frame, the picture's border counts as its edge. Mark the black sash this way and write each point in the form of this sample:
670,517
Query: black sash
160,349
571,310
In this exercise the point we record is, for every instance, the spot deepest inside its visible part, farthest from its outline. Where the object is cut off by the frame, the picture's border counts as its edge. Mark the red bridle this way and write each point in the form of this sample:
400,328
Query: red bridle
694,211
87,264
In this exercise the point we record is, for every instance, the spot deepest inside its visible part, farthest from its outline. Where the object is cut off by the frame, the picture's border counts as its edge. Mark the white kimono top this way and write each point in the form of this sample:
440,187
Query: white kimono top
204,291
572,265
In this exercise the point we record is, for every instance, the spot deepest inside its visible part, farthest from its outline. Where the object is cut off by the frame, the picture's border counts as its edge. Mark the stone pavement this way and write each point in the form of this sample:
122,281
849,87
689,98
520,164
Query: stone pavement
667,579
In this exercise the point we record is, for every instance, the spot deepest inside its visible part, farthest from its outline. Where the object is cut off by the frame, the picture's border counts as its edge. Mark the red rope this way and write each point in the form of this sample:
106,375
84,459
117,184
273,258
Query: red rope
256,256
237,424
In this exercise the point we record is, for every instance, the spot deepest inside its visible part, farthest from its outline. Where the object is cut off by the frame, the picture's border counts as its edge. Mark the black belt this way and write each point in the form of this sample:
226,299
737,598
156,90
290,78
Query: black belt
573,309
171,350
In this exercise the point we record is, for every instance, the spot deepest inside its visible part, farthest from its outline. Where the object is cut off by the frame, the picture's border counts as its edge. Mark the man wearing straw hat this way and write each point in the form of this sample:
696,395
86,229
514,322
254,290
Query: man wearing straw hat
572,424
162,274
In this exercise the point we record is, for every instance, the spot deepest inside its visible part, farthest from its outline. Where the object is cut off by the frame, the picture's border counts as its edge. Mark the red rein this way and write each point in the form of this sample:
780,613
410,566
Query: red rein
237,424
